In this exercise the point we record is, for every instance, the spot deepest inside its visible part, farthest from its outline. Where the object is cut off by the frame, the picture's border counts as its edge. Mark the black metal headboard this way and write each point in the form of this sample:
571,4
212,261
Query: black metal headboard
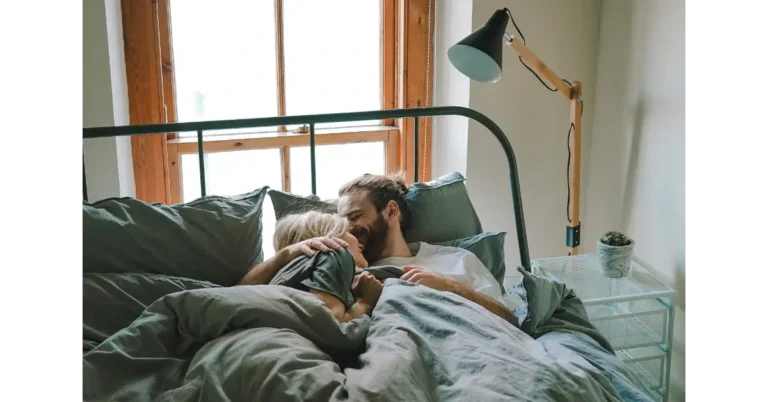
311,120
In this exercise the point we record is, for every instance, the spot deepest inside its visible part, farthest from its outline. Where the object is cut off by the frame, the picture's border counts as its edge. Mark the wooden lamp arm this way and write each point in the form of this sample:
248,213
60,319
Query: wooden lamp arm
540,68
573,93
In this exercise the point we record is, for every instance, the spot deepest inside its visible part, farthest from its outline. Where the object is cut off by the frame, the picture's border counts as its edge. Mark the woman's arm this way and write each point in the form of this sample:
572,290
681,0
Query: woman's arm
366,290
263,273
338,309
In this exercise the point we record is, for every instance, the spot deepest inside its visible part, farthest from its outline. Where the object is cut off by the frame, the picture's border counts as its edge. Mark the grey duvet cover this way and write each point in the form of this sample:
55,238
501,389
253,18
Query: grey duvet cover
272,343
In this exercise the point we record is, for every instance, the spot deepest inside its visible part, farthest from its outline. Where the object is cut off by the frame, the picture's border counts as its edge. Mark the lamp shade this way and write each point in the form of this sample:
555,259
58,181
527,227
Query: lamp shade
478,56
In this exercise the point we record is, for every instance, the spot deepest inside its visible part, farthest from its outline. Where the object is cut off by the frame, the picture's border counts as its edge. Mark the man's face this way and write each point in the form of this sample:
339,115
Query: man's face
369,226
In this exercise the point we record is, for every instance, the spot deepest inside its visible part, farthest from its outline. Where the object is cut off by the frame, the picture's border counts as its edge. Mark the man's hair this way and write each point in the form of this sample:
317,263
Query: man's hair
295,228
380,190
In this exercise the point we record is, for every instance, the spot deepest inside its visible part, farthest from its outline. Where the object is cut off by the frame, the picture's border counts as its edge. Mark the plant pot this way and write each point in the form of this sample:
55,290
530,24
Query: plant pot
615,261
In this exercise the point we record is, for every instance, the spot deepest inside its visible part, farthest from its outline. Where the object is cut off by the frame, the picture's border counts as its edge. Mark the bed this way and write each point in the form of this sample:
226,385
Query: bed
164,318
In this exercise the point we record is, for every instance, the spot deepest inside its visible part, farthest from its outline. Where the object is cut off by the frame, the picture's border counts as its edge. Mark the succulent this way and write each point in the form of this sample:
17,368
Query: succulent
616,239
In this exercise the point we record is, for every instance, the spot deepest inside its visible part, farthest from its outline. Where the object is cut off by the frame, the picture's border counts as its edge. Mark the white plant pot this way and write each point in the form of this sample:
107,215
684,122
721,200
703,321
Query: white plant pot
615,261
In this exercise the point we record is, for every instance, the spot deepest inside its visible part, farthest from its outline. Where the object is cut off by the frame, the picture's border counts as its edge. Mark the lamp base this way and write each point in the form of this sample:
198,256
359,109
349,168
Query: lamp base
573,236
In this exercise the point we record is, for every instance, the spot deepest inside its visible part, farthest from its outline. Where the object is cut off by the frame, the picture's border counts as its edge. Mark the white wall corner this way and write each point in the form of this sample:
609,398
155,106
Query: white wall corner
120,104
108,161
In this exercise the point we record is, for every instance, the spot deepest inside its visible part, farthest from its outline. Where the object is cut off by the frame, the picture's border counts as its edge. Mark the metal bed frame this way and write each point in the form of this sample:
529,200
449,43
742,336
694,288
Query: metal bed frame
311,120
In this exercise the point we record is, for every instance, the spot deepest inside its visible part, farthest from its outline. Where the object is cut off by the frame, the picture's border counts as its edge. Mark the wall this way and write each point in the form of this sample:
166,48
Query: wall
565,35
636,168
108,161
453,21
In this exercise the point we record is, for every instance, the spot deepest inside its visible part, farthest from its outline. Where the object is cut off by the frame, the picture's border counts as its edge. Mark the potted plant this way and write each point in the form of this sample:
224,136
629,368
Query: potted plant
615,252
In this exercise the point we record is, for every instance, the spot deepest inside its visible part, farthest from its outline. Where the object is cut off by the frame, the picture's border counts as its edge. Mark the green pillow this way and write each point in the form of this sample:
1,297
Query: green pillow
111,302
440,210
287,203
215,239
489,249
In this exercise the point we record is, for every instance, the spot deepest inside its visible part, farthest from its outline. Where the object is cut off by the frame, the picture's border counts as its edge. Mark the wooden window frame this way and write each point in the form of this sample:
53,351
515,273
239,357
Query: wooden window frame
407,50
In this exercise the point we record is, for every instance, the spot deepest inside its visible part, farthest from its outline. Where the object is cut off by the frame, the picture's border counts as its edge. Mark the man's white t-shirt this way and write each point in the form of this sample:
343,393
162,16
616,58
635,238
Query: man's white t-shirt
454,262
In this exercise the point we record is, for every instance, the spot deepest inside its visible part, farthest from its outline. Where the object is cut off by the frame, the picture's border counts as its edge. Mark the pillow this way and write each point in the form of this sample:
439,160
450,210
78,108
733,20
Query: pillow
489,249
287,203
215,239
440,210
111,302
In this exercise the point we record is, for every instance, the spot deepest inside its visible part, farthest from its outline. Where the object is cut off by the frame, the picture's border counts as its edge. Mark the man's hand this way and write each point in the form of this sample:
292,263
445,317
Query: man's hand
367,289
448,284
310,247
430,279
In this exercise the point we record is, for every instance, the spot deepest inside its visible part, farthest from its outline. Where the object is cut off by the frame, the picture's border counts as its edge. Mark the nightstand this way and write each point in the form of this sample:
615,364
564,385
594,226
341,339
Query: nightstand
635,313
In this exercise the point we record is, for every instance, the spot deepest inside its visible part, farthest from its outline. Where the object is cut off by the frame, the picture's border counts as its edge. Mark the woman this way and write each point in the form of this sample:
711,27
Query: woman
331,276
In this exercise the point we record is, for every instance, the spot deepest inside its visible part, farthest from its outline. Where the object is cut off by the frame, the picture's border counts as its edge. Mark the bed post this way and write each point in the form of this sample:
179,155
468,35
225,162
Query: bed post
83,184
312,157
201,160
416,149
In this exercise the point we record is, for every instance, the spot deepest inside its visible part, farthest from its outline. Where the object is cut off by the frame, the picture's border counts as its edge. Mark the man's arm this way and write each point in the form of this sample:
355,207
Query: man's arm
490,304
263,273
448,284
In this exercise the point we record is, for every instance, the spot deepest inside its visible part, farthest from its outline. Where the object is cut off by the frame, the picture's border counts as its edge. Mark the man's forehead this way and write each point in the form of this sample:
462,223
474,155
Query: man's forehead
353,202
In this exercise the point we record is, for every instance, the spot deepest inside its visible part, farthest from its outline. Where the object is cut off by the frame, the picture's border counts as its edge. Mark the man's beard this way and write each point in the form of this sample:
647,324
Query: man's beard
377,240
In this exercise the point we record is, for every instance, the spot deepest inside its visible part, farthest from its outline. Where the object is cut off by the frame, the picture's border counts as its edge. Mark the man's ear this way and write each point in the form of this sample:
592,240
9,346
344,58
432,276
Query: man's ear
392,211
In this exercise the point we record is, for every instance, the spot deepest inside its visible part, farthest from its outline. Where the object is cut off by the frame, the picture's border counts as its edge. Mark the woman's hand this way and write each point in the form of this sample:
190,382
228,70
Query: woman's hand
367,289
310,247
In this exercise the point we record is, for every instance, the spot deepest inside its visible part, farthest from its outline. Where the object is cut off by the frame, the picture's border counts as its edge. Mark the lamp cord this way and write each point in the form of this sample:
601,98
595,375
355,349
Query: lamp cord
570,128
568,175
522,37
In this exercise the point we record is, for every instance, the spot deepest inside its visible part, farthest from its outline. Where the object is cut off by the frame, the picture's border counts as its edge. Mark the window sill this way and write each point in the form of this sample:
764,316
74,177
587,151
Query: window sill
234,142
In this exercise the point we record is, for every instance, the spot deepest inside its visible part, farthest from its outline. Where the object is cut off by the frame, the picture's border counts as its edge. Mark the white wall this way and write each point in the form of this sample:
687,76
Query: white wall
636,168
108,161
564,34
453,21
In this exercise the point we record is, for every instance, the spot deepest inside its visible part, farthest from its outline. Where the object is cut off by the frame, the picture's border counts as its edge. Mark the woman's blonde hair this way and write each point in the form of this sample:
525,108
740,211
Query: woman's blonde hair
294,228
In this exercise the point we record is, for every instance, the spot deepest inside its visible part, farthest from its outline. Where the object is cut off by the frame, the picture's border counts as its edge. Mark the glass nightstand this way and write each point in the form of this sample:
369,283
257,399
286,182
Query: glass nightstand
635,313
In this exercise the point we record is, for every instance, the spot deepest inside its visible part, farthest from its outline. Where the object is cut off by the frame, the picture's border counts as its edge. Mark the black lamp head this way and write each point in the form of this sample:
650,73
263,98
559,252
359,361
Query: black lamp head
478,56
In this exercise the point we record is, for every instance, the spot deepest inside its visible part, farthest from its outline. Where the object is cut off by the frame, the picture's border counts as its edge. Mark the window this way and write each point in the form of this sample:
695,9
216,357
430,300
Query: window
195,60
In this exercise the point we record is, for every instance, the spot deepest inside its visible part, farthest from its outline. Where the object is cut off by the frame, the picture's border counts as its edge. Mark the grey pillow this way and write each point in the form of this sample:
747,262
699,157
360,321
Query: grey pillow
287,203
111,302
440,210
215,239
489,249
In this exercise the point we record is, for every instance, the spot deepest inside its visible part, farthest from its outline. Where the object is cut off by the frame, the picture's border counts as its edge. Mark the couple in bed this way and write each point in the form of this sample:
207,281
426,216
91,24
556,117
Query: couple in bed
338,257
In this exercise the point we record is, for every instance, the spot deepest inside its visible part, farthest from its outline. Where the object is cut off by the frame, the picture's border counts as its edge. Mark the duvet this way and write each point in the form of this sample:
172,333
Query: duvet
272,343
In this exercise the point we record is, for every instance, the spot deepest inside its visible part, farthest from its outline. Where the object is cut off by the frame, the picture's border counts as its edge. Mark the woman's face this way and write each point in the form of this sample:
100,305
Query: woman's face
356,249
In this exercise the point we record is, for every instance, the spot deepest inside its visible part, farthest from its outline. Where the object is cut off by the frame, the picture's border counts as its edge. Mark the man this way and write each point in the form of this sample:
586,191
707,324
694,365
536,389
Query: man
376,207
